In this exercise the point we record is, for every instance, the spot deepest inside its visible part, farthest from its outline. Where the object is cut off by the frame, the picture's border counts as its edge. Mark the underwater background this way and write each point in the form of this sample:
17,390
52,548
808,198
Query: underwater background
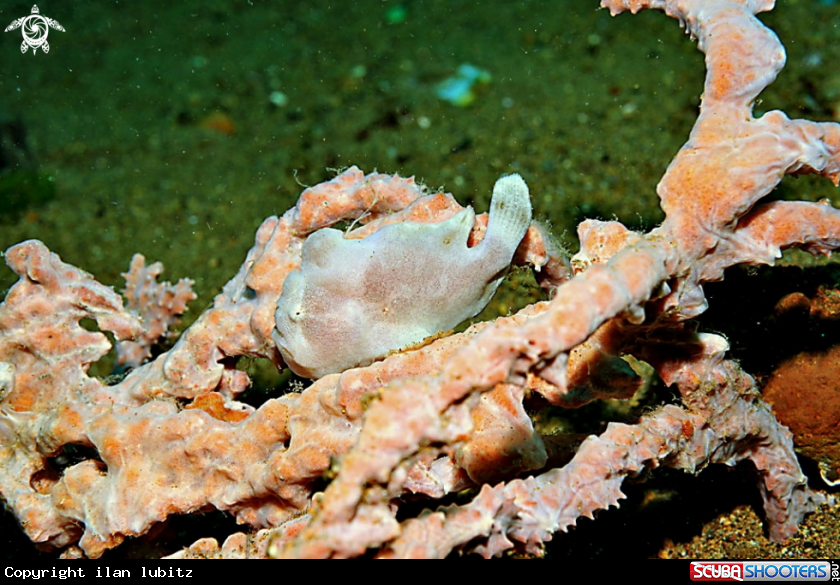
174,128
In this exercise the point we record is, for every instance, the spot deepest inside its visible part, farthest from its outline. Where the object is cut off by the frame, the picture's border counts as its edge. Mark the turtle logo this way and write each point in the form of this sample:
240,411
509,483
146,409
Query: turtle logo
35,29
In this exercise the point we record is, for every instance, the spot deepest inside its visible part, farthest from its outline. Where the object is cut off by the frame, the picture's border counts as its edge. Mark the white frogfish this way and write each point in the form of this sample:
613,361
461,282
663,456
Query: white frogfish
354,301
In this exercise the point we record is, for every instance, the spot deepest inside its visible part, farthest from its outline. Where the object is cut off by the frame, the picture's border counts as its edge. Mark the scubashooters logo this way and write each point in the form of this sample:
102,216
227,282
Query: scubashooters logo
35,29
760,571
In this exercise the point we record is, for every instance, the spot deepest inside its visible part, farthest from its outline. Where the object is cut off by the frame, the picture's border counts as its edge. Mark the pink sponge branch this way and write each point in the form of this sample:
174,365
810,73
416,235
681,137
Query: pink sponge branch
158,304
732,159
149,456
